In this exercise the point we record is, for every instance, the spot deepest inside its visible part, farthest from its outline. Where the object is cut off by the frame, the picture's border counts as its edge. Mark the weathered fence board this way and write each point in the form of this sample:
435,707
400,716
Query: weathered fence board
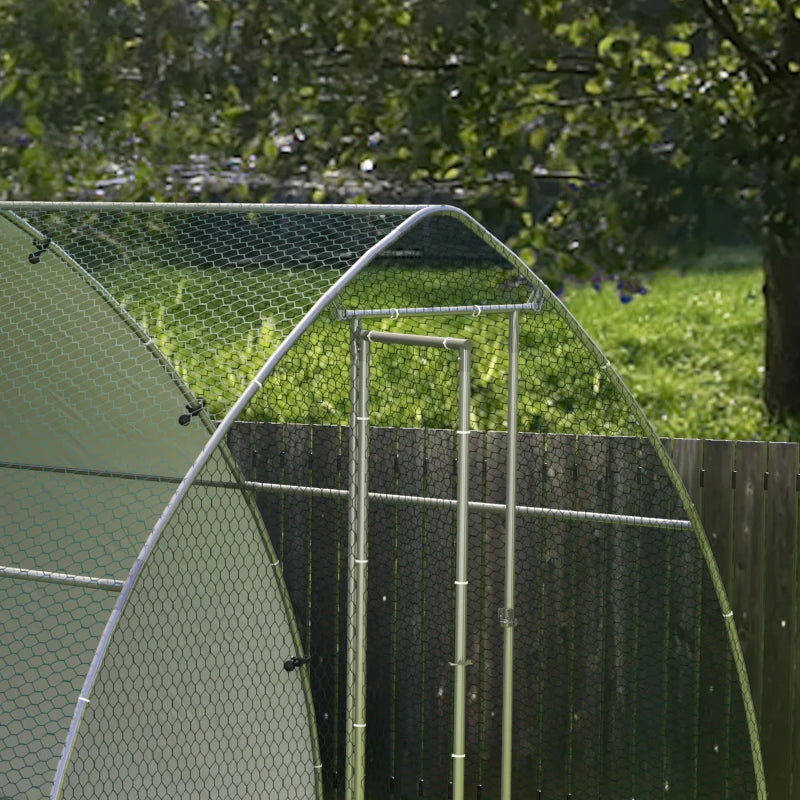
482,648
747,589
574,578
529,608
652,706
439,566
591,493
411,577
556,598
717,515
779,617
326,563
381,623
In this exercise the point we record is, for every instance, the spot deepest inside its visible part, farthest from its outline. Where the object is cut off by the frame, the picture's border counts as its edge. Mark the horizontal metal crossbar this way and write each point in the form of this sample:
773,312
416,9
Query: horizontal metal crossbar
63,578
92,473
440,502
212,208
475,505
429,311
416,340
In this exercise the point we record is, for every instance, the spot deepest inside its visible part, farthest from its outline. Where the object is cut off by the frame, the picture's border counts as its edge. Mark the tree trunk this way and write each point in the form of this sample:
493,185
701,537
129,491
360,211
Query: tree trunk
782,296
778,121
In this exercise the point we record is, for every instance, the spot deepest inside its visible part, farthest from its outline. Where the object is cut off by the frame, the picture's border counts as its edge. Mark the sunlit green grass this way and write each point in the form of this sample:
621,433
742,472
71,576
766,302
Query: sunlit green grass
691,349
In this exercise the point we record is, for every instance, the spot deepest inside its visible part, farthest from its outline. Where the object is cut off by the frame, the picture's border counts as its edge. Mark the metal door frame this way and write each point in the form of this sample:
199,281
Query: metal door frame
358,550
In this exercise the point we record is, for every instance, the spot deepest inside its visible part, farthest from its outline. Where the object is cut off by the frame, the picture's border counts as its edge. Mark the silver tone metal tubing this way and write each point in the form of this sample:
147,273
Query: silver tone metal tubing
475,505
380,497
262,208
416,340
429,311
511,521
90,473
462,512
352,495
357,567
360,715
586,516
63,578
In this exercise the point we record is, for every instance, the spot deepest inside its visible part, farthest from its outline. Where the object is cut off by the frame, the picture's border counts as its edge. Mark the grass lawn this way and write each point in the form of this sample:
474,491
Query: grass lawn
691,348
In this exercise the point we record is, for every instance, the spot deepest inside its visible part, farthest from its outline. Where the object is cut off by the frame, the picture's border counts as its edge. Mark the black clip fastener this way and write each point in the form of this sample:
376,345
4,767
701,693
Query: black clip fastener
291,664
194,409
40,246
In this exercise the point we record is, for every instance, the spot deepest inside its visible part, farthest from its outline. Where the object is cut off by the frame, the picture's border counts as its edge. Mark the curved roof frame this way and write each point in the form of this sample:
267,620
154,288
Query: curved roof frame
416,214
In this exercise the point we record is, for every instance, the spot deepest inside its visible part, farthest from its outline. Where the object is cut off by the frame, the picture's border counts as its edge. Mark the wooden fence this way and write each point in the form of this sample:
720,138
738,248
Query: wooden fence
746,494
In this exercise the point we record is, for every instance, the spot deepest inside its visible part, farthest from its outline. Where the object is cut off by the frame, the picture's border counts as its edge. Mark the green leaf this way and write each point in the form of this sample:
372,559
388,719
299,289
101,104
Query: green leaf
594,86
614,44
678,49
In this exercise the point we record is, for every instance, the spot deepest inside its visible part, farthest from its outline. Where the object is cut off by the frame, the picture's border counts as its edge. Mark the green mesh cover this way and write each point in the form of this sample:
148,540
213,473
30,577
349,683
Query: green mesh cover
628,679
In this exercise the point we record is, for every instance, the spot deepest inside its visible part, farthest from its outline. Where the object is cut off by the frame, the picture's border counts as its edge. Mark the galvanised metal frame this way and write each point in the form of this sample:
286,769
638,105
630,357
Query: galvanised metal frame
356,678
407,499
507,617
357,601
542,512
476,310
63,578
328,298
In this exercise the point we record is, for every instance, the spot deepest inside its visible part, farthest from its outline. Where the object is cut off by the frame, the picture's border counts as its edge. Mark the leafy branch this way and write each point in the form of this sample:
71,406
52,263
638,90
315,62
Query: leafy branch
760,69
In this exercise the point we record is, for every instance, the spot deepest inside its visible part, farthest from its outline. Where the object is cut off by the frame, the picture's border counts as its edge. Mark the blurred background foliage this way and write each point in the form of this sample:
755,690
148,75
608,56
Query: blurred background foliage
599,139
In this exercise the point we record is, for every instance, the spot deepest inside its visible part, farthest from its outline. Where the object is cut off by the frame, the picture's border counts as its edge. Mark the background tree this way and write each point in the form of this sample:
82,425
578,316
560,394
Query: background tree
598,137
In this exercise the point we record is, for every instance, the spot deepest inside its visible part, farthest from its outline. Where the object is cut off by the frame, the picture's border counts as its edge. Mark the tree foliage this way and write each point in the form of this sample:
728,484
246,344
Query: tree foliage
598,137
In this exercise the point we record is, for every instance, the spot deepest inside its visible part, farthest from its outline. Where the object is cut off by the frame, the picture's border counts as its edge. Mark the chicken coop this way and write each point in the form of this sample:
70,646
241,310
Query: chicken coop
337,502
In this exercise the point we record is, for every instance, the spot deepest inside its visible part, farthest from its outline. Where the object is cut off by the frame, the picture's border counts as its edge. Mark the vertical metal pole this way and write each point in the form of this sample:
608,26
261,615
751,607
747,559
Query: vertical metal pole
462,498
357,567
507,617
360,715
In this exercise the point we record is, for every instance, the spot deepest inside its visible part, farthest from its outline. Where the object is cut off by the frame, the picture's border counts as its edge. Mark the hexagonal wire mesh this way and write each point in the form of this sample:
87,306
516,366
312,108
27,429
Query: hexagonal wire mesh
375,493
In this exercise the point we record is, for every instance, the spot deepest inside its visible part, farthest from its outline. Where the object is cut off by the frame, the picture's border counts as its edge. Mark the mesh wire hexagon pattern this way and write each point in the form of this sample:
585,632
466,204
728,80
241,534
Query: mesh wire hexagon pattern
337,502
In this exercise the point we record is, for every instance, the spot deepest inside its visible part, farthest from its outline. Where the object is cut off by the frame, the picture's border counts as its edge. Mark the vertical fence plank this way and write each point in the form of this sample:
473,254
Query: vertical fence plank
716,665
240,443
621,610
748,549
482,573
718,505
266,465
591,494
411,581
297,524
341,732
687,456
380,613
656,499
780,598
686,582
438,632
558,599
795,760
530,645
327,601
493,559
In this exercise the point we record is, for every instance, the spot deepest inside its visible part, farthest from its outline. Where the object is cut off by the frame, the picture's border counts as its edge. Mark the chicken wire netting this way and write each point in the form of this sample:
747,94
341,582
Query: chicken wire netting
234,665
